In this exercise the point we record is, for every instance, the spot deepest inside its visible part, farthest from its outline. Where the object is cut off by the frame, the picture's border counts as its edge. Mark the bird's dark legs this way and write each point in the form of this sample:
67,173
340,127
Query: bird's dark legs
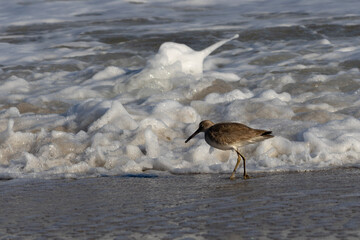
245,175
240,156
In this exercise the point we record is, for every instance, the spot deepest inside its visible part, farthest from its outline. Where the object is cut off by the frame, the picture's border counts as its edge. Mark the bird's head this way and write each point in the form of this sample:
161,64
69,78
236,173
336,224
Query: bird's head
203,126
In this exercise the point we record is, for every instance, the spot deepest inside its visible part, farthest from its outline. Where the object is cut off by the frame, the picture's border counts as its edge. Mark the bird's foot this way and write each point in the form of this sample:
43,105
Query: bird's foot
232,177
246,176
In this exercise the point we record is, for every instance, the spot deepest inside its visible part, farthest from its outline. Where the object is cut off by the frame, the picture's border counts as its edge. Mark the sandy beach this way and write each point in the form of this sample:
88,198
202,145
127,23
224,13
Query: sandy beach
158,205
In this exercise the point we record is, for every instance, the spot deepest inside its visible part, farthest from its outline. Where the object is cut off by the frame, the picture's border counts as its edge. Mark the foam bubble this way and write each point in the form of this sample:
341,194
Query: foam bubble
109,72
115,115
14,88
189,60
6,134
172,112
151,144
229,77
133,152
248,110
227,97
339,139
173,61
271,94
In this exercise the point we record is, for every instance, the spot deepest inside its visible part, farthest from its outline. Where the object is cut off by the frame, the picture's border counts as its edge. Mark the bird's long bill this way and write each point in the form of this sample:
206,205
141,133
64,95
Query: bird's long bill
192,135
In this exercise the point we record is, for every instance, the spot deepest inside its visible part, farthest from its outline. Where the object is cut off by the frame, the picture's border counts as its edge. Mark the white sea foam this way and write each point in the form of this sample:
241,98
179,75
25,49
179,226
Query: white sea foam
87,100
172,62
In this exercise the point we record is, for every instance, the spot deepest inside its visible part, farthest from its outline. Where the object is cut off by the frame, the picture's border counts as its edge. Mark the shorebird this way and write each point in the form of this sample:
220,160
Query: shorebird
231,136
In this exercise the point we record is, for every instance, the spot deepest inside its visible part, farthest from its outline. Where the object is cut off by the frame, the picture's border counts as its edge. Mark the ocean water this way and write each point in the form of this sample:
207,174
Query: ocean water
101,88
307,205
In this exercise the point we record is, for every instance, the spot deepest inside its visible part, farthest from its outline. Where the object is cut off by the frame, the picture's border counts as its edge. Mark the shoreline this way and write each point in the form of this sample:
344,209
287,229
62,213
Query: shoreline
283,205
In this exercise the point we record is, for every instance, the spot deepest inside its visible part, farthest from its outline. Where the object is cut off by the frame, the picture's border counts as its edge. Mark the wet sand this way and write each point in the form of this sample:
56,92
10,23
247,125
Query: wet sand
309,205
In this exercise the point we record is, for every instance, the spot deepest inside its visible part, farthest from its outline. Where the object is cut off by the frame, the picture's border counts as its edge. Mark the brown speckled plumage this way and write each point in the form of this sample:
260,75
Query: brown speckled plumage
230,136
235,134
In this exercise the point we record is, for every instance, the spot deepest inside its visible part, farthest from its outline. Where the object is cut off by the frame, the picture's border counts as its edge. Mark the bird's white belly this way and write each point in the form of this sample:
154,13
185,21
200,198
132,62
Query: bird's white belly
218,145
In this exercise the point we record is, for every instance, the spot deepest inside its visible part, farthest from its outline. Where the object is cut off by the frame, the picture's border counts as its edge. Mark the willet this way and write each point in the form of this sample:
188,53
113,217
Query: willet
231,136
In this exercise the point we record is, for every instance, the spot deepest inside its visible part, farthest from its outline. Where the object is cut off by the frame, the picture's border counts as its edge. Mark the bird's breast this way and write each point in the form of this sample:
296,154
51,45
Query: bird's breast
217,143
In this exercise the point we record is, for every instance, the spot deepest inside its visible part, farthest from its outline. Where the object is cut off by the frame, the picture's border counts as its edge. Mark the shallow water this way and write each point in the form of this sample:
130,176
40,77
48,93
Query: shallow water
86,90
156,205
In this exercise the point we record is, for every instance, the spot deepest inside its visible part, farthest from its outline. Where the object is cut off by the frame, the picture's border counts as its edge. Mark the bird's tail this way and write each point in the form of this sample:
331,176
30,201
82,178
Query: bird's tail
267,134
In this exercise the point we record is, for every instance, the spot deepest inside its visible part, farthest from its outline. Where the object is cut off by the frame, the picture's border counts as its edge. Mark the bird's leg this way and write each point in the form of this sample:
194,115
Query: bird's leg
245,175
232,177
243,158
